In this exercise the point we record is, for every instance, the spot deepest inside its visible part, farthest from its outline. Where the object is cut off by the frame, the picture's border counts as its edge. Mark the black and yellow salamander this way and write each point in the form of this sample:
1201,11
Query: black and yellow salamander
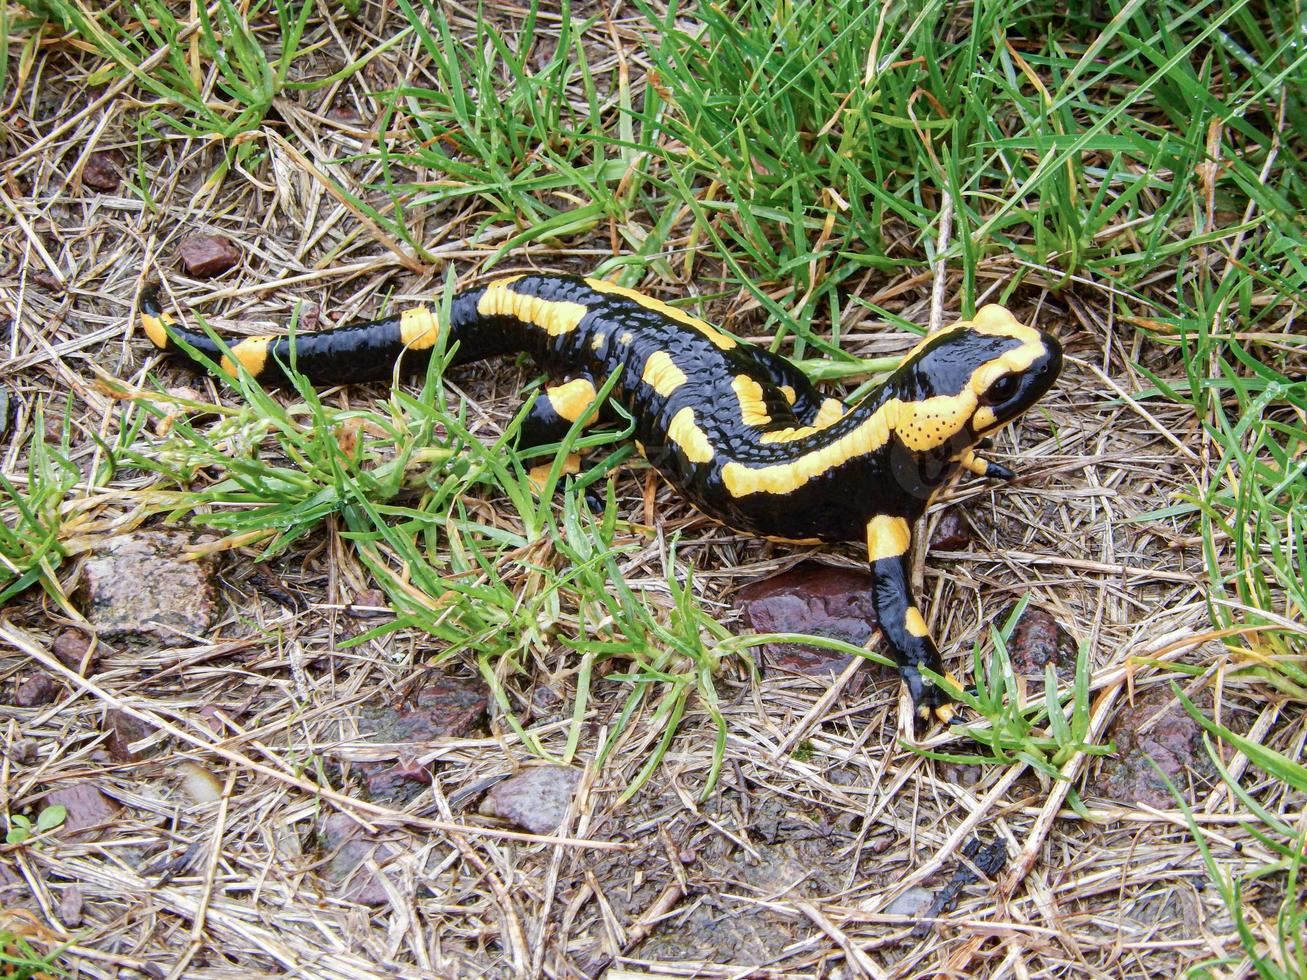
737,429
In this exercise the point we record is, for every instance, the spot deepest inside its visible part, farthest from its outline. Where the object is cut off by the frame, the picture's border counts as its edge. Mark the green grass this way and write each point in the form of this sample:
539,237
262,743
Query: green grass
1284,956
32,512
216,77
20,960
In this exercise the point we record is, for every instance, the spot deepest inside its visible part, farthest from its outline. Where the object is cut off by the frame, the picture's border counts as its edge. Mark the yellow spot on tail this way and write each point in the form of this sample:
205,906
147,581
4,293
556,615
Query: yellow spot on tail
753,408
913,622
789,394
671,312
781,478
418,328
554,317
888,537
597,341
626,337
155,328
572,398
252,352
692,439
662,374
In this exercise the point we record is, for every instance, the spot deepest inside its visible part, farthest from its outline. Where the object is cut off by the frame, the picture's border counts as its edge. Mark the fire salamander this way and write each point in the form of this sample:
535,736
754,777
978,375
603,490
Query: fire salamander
737,429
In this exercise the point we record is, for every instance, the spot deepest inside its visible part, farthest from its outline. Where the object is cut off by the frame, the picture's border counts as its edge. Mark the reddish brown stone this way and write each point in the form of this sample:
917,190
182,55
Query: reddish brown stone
103,170
88,808
35,691
349,847
536,799
448,708
206,256
70,647
1173,740
368,604
815,599
47,281
1039,639
123,730
951,533
347,116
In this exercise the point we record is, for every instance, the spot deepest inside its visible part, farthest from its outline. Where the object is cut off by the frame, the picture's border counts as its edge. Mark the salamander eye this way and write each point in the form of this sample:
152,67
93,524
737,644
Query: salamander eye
1001,390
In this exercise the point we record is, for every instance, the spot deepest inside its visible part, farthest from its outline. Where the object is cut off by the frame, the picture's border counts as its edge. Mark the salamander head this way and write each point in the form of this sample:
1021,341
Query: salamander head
971,379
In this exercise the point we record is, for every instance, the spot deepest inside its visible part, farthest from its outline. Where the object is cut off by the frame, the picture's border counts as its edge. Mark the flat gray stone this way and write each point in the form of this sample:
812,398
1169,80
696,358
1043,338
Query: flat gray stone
536,799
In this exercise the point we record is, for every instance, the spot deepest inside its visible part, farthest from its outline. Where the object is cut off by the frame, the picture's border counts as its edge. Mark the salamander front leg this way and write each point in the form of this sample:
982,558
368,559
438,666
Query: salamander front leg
975,463
889,541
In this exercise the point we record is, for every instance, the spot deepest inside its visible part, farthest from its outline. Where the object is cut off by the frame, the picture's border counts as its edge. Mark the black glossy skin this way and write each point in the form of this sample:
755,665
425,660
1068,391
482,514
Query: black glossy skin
618,332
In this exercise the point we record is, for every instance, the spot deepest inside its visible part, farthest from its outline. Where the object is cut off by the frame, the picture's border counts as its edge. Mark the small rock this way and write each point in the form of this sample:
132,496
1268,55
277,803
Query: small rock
398,781
14,892
87,808
37,690
368,604
536,799
914,902
70,906
1174,741
349,847
123,730
815,599
48,281
103,170
70,647
139,583
206,256
448,708
212,716
1036,640
951,533
347,116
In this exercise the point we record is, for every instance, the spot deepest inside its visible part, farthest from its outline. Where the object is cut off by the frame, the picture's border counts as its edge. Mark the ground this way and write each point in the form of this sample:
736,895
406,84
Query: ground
284,673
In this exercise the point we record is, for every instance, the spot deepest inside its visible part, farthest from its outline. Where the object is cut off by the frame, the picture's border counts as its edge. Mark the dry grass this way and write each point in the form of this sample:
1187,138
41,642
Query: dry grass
820,819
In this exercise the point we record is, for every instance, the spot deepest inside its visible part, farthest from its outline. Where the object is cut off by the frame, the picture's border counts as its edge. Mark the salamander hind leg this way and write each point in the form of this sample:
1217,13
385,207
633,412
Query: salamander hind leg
889,541
551,417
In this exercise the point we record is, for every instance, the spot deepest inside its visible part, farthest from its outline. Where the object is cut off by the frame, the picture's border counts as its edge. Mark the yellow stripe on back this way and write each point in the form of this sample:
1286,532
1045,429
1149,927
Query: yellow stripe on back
671,312
831,411
753,407
913,622
691,439
662,374
554,317
782,478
